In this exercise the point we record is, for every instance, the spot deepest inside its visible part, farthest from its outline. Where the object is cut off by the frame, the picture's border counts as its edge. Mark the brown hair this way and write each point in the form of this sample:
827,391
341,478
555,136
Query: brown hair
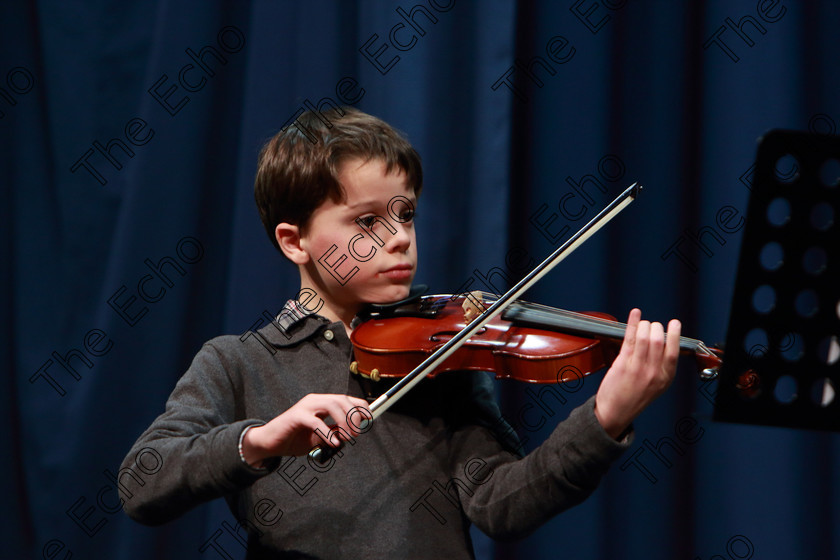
298,168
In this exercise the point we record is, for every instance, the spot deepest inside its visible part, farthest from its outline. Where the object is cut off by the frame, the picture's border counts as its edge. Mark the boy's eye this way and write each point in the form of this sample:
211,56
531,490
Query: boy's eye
403,218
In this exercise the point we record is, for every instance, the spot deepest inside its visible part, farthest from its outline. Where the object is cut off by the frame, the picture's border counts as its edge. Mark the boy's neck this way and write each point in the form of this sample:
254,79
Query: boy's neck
332,310
344,318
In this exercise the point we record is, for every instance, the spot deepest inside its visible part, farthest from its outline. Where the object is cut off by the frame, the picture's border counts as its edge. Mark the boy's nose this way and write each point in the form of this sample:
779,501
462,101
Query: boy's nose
400,241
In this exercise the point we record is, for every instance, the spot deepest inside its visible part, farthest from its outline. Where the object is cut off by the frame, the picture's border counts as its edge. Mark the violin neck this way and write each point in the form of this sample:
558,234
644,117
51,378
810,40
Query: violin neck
541,316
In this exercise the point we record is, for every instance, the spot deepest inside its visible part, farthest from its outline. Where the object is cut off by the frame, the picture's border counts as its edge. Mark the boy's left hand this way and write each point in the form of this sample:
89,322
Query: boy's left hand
644,368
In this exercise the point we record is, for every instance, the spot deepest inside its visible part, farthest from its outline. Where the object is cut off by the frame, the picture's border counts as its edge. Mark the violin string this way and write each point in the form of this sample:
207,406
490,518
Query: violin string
617,328
583,321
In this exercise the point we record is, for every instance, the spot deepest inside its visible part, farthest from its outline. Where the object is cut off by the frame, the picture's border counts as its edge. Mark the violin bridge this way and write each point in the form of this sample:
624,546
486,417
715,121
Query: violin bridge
473,306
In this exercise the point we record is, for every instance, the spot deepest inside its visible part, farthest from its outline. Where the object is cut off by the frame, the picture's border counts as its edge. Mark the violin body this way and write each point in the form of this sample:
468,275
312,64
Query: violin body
390,345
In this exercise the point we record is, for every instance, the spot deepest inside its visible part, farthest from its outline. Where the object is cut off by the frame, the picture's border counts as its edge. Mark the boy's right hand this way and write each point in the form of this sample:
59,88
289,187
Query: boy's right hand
293,433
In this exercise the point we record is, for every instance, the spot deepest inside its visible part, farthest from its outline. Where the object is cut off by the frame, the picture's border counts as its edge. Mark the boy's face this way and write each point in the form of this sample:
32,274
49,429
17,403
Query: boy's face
387,273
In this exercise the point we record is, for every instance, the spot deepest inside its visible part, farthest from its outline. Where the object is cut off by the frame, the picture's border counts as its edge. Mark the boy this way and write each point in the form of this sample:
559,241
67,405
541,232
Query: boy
241,420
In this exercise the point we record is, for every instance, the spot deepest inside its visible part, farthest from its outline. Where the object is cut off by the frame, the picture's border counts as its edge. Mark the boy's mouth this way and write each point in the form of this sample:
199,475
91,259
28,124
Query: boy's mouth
398,272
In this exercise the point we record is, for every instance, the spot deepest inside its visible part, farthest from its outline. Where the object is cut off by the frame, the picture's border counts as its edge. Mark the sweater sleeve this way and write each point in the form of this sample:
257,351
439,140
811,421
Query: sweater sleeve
194,446
507,496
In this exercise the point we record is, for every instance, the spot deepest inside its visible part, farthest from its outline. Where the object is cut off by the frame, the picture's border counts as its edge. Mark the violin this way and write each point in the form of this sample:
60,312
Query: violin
527,342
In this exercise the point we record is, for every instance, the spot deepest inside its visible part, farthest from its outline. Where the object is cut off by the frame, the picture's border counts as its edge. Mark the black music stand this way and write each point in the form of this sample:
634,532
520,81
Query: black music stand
782,361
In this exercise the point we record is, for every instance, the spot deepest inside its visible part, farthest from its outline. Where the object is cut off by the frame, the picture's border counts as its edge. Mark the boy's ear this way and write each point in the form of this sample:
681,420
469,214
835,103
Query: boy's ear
288,238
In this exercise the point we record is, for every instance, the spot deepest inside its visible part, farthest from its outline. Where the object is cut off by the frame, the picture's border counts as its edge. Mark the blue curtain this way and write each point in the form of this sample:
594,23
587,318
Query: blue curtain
128,142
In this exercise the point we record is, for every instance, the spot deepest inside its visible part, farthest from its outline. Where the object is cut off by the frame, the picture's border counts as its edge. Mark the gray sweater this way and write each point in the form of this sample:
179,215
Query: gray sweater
408,488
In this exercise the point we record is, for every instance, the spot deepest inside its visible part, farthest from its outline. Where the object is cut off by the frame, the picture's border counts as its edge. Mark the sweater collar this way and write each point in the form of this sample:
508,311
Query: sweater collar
295,323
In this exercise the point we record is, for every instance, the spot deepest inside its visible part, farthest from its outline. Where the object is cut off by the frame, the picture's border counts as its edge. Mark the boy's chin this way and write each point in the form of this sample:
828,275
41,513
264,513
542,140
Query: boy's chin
391,294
